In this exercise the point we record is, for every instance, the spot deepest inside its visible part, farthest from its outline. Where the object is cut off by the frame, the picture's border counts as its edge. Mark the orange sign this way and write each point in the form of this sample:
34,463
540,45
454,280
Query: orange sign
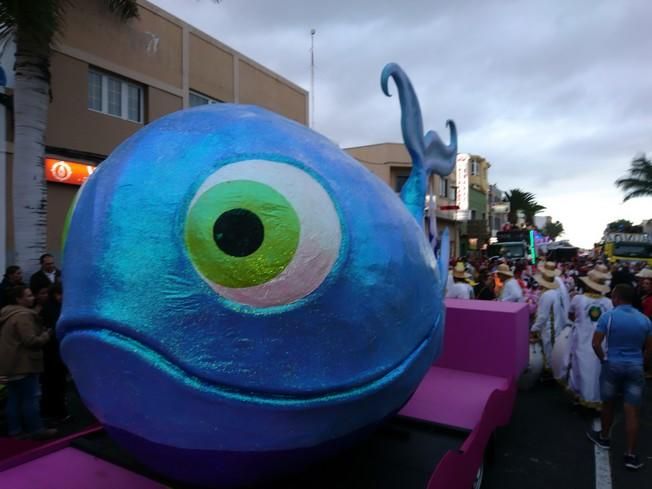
61,171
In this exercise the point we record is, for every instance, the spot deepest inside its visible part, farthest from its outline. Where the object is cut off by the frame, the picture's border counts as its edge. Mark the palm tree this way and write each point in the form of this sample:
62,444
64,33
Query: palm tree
522,201
638,182
34,25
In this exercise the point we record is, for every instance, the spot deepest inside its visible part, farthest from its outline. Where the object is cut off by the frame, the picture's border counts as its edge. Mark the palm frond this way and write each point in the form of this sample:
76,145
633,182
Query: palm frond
125,9
642,192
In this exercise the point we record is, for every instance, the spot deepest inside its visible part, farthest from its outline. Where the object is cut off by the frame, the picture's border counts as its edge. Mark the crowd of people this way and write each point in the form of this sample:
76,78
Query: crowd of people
591,321
30,365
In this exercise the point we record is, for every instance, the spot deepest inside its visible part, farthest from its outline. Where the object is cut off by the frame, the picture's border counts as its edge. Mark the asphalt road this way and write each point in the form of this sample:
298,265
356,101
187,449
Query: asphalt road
545,446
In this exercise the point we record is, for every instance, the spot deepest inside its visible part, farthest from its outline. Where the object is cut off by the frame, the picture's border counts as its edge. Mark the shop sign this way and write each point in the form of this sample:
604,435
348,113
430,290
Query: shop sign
462,182
61,171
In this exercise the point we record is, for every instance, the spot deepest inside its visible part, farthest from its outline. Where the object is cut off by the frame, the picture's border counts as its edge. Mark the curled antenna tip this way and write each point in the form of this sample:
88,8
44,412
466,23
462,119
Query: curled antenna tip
388,70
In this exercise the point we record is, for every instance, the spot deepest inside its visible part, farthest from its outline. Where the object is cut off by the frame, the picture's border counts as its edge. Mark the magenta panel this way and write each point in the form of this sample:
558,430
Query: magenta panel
452,397
486,337
71,469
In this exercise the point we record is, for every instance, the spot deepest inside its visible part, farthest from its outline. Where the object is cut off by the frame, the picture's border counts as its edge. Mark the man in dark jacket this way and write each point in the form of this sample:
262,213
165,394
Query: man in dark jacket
47,276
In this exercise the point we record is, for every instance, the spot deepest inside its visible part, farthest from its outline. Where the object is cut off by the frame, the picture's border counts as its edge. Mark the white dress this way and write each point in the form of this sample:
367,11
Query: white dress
549,321
585,367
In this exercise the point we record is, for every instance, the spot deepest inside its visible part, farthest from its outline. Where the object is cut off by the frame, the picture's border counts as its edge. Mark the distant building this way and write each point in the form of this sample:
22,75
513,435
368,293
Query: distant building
498,209
392,164
472,177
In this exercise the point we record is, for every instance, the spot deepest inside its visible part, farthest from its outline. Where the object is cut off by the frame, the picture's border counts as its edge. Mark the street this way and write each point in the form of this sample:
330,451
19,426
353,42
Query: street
545,446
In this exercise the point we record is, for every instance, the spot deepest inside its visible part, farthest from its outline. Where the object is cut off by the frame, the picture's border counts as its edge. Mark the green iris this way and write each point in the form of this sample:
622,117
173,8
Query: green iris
241,233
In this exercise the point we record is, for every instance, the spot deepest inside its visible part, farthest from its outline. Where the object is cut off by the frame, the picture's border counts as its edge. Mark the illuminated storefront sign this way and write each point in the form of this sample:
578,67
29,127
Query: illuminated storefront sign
61,171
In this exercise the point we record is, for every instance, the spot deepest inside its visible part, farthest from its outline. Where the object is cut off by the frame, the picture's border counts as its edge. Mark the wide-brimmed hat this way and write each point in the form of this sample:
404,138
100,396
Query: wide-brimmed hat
596,281
546,278
551,266
458,271
645,273
603,269
503,269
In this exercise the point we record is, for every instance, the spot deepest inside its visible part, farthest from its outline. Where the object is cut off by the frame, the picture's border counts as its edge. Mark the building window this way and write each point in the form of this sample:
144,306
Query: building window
94,91
443,187
474,168
115,96
473,214
400,181
196,99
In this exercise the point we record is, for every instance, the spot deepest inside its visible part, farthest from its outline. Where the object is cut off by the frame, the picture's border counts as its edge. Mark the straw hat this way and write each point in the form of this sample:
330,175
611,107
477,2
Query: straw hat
645,273
546,279
503,269
550,266
596,281
458,271
603,269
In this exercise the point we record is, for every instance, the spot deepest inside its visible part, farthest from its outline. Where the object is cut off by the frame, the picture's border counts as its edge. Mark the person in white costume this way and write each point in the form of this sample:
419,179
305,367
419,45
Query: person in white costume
511,291
585,310
551,267
550,315
460,288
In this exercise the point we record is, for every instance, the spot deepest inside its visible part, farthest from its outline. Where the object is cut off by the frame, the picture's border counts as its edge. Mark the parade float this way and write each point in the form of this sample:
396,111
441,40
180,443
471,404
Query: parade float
273,316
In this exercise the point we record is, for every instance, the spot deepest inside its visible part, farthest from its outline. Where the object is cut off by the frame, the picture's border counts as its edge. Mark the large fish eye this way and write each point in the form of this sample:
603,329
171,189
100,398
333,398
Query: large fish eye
262,233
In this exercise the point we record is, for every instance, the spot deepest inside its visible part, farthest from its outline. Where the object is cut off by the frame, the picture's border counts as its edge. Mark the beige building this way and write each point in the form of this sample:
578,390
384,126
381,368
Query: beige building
110,78
392,164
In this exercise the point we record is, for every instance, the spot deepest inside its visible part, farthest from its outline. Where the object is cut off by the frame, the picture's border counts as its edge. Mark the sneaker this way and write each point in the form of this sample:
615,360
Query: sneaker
632,462
596,437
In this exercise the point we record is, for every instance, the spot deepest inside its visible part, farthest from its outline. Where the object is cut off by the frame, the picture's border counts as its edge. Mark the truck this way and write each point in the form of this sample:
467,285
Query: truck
515,244
440,439
621,246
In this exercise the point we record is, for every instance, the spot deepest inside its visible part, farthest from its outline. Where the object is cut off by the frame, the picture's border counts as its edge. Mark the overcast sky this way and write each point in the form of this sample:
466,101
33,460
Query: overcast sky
557,95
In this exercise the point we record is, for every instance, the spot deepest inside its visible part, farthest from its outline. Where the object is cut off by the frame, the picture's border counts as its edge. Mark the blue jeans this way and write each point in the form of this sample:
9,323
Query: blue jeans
625,378
23,402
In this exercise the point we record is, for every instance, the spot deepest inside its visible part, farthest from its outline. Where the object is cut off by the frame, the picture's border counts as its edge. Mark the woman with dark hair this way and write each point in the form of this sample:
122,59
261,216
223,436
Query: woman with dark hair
13,276
22,338
53,402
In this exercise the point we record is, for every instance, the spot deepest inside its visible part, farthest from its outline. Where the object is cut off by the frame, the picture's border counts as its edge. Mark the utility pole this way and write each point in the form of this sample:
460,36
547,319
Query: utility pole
312,77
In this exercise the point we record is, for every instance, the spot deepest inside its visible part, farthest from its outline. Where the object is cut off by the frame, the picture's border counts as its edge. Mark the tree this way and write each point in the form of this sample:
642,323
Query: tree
638,181
35,26
553,229
522,201
623,226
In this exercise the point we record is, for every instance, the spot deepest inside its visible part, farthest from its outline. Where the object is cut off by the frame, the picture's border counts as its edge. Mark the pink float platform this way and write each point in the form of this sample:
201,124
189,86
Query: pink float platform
465,396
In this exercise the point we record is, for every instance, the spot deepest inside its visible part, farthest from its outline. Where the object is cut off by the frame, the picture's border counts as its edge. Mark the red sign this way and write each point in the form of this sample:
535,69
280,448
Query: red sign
61,171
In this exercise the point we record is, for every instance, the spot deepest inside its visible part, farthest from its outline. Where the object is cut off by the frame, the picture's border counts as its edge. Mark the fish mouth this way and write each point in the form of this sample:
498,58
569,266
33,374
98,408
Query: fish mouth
73,331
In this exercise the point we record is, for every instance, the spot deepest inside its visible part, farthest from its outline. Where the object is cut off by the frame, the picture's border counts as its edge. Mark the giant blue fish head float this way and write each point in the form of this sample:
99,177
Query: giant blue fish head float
242,296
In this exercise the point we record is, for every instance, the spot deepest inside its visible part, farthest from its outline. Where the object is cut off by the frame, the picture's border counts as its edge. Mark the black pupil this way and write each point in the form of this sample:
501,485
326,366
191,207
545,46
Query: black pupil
238,232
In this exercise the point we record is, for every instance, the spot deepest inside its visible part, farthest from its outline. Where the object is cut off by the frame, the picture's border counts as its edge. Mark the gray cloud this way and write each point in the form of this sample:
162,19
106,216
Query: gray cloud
550,92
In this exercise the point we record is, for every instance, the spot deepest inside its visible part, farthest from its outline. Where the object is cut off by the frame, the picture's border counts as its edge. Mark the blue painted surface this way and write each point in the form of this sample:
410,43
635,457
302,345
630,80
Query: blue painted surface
157,353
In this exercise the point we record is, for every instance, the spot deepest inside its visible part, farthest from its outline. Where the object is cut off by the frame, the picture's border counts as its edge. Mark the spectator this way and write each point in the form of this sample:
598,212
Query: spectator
485,288
645,290
511,291
626,333
13,276
460,288
47,276
22,338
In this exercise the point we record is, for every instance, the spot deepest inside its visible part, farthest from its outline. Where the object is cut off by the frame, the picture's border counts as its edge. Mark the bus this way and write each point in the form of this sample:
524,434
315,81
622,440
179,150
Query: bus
628,247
